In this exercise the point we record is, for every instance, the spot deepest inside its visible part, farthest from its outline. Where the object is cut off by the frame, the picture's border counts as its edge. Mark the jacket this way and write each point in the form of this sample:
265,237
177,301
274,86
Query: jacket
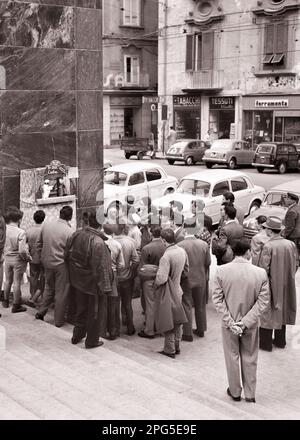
222,247
89,262
292,222
199,260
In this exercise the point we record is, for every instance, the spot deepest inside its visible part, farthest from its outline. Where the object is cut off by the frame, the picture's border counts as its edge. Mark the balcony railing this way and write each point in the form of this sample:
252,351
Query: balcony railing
142,82
205,79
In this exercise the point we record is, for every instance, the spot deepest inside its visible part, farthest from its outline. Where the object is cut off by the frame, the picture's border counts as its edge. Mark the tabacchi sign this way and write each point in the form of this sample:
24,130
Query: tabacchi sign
187,101
267,103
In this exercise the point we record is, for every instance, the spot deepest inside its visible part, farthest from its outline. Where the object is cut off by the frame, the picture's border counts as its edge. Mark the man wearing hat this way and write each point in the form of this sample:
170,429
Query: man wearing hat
279,259
292,220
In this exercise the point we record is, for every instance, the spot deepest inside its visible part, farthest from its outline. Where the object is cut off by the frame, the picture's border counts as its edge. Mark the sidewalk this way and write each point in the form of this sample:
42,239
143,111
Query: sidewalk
44,376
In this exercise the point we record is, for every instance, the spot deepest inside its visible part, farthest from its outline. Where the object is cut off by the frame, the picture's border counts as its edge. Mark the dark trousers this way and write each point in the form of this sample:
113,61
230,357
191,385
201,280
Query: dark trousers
87,323
194,296
266,335
125,292
37,280
56,290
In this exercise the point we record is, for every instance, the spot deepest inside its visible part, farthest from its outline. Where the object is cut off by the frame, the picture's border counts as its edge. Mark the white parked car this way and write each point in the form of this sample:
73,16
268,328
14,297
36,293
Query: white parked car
210,186
137,180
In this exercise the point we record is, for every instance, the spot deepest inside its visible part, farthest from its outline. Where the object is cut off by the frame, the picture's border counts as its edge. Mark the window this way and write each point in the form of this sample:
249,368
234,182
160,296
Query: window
282,149
276,41
131,12
200,51
238,184
153,175
220,188
136,178
132,69
195,187
115,178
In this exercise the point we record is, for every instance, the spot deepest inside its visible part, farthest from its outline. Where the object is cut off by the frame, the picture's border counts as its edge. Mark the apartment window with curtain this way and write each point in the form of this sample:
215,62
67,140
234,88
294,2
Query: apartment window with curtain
200,51
132,69
275,45
131,12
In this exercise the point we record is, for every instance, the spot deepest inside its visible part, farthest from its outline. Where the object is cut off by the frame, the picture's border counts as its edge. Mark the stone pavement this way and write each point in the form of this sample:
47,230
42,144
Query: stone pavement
43,376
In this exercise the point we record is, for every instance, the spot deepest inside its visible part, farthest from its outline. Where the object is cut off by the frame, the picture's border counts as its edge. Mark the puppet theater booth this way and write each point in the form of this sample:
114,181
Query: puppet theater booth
48,188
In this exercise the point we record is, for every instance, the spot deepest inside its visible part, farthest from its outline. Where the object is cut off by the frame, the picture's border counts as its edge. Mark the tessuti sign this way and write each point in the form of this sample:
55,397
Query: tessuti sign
273,103
221,103
186,101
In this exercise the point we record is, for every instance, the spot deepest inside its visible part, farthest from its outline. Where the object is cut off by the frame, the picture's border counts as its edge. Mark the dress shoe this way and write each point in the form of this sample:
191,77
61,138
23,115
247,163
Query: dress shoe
132,332
5,303
170,355
177,351
76,340
277,345
98,344
142,334
18,309
199,334
250,399
39,316
187,338
265,348
30,303
236,399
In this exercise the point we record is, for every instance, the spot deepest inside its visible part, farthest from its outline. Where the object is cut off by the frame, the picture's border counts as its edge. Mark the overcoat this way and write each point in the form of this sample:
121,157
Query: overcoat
278,258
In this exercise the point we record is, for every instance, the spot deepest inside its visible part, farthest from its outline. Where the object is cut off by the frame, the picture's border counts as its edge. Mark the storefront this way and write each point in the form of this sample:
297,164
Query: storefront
125,117
271,118
187,113
221,116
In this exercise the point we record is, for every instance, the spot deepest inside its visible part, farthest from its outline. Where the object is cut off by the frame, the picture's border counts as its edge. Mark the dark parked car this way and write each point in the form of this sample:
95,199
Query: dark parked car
276,155
189,151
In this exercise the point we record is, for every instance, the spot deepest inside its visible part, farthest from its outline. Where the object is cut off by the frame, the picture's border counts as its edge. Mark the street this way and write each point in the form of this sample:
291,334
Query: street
267,180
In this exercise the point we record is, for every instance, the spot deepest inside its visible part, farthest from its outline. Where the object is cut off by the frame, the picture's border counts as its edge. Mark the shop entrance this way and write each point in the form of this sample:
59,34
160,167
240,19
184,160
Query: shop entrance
128,122
219,123
187,124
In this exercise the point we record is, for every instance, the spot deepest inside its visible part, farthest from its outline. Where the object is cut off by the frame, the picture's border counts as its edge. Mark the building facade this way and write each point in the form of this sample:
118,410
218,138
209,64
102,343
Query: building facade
231,68
129,69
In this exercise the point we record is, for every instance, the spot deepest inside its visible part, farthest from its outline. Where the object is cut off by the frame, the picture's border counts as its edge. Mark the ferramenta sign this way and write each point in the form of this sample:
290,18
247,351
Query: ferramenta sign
271,103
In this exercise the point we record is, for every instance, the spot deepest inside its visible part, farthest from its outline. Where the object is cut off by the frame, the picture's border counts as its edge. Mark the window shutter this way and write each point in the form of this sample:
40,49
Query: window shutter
207,50
189,52
269,39
135,70
199,51
281,38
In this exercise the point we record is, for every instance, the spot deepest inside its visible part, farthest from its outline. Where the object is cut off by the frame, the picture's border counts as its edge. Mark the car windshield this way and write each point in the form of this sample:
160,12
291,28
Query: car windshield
222,144
265,149
194,187
115,178
276,199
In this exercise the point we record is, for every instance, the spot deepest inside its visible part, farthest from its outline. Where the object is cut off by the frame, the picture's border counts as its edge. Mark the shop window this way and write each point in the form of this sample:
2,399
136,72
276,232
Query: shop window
220,188
200,51
153,175
238,184
131,12
258,125
136,179
276,42
132,69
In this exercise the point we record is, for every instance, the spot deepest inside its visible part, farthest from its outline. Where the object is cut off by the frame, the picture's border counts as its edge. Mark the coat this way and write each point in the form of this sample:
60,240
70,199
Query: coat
292,222
240,291
199,261
278,258
222,247
257,243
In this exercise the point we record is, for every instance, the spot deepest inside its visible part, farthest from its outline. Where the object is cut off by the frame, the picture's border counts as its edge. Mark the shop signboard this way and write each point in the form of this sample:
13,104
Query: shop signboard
186,101
271,103
222,103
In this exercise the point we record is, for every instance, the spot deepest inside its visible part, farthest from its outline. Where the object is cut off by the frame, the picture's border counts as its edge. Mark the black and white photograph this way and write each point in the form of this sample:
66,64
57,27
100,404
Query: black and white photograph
149,214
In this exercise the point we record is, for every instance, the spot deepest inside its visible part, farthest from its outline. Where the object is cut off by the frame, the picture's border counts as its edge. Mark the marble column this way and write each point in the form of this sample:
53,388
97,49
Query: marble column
51,92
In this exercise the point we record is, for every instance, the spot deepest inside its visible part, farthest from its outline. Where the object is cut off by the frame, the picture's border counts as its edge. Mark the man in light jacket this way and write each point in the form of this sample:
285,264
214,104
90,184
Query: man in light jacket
241,294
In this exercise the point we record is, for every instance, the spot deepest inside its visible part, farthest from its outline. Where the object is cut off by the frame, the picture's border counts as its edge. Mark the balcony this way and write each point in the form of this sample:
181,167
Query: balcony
141,82
204,80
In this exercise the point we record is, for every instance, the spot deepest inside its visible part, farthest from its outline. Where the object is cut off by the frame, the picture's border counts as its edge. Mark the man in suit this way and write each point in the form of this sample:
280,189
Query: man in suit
195,285
229,197
229,233
151,254
292,220
173,264
279,259
240,309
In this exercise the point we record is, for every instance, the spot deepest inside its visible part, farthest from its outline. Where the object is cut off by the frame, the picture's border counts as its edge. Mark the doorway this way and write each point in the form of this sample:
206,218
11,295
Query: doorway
128,122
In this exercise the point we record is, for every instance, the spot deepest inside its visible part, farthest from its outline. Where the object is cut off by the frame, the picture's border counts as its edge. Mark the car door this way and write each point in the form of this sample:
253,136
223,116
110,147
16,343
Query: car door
293,157
242,192
248,153
137,186
156,181
212,208
199,151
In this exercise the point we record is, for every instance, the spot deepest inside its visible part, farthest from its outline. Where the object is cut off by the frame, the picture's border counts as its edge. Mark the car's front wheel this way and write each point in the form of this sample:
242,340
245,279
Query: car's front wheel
189,161
282,168
232,164
209,165
127,155
171,161
260,169
254,206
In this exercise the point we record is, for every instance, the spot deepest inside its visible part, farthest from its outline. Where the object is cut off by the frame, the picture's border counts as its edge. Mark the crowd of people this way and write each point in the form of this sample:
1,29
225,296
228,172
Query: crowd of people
92,274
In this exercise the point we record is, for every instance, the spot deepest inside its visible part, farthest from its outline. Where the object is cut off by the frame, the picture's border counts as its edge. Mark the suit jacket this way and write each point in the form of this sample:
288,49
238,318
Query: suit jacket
222,247
241,292
199,260
179,235
292,222
152,252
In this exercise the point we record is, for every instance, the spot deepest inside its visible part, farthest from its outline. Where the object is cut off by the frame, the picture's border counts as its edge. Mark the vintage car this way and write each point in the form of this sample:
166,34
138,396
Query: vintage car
209,186
137,180
229,152
274,204
276,155
188,151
